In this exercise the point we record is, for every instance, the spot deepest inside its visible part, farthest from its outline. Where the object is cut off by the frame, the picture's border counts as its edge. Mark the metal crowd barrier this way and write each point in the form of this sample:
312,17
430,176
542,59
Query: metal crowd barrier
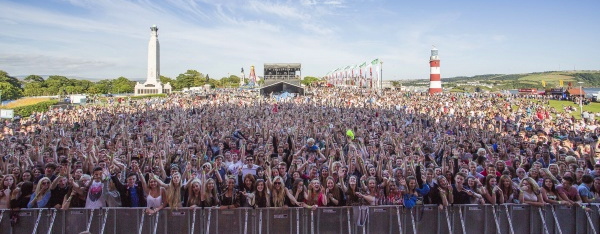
509,219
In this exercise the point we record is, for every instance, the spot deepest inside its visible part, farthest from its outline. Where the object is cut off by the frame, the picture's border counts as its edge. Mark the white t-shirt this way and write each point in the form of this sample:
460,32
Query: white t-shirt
233,168
249,170
95,197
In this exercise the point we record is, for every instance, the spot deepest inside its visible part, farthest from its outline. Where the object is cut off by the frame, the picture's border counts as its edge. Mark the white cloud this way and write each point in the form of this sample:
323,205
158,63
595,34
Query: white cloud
308,2
281,10
333,2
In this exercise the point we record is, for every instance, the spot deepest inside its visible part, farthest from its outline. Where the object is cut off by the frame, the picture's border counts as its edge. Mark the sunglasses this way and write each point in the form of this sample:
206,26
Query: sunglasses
277,183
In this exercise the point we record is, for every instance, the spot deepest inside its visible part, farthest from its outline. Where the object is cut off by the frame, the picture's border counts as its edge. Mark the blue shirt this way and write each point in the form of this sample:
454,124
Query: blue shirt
584,191
135,200
41,203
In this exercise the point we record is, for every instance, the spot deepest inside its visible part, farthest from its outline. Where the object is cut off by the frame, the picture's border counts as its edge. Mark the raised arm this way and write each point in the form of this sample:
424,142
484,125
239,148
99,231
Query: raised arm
144,184
55,182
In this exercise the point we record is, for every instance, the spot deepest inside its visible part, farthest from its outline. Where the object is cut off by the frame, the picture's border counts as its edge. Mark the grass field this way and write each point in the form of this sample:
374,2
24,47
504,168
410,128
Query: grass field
553,77
24,102
593,107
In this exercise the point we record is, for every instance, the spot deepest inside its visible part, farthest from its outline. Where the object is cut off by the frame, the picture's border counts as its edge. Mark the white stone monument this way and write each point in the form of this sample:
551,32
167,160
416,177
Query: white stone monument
153,84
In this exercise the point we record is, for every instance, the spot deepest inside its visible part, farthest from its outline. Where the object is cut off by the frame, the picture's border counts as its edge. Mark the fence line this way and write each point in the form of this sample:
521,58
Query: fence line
375,219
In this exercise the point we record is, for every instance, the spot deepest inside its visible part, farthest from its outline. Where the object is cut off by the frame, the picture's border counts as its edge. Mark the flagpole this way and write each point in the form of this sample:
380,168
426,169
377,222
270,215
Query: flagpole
381,74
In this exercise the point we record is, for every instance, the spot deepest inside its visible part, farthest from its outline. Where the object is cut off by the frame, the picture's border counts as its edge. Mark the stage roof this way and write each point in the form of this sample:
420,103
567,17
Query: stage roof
282,65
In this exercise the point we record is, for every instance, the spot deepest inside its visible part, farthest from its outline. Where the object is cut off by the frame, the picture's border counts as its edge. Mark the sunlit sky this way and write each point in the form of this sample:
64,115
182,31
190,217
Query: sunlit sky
100,39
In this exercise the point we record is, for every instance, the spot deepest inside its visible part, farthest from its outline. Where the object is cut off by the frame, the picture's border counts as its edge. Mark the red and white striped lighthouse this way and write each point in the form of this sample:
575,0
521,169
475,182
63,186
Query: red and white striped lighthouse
435,82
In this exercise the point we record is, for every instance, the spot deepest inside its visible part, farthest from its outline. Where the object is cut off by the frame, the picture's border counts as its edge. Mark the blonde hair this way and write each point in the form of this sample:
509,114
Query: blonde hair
533,184
192,198
174,192
278,195
38,188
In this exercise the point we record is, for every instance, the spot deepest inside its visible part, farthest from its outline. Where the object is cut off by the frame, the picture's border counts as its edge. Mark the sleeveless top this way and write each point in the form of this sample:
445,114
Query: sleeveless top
527,196
154,201
553,196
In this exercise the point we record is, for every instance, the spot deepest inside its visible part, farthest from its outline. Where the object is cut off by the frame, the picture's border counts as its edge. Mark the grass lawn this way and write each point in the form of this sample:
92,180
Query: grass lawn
24,102
552,79
593,107
547,77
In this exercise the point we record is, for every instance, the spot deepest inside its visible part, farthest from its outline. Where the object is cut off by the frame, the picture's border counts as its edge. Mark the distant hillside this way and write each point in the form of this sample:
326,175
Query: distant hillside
527,80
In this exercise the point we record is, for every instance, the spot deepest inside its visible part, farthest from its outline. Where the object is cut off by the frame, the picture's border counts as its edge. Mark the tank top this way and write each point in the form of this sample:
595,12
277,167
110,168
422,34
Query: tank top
154,201
95,197
527,196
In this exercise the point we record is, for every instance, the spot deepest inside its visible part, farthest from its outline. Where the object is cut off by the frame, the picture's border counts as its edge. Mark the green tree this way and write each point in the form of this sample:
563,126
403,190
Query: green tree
4,77
122,85
82,85
34,79
10,86
231,81
98,89
55,84
34,89
33,85
164,80
213,83
309,80
191,78
9,91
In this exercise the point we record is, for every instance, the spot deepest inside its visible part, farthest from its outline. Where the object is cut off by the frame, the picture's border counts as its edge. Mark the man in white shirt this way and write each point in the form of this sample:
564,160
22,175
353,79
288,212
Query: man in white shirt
249,167
96,191
235,165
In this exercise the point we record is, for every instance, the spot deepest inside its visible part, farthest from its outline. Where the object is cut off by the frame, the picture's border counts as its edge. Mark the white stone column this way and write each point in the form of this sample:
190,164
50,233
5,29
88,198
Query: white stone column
153,57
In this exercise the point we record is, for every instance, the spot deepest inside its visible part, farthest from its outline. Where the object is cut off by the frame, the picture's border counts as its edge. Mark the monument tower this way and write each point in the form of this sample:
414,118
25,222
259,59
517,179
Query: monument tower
153,56
435,81
153,84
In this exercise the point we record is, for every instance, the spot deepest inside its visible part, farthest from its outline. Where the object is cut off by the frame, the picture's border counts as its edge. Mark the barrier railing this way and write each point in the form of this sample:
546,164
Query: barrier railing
373,219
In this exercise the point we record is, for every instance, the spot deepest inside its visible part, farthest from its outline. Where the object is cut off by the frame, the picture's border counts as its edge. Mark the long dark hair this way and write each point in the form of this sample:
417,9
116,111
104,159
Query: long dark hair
26,188
552,189
301,197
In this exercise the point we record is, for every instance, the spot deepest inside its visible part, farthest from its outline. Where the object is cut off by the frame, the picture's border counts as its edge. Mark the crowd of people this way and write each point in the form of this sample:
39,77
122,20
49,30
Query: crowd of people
336,147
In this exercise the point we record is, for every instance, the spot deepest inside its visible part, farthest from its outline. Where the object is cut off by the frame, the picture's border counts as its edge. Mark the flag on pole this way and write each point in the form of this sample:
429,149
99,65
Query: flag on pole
370,75
361,77
543,83
377,64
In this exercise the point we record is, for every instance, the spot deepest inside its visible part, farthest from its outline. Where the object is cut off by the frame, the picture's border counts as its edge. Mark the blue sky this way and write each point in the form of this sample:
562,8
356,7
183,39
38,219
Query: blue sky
109,38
